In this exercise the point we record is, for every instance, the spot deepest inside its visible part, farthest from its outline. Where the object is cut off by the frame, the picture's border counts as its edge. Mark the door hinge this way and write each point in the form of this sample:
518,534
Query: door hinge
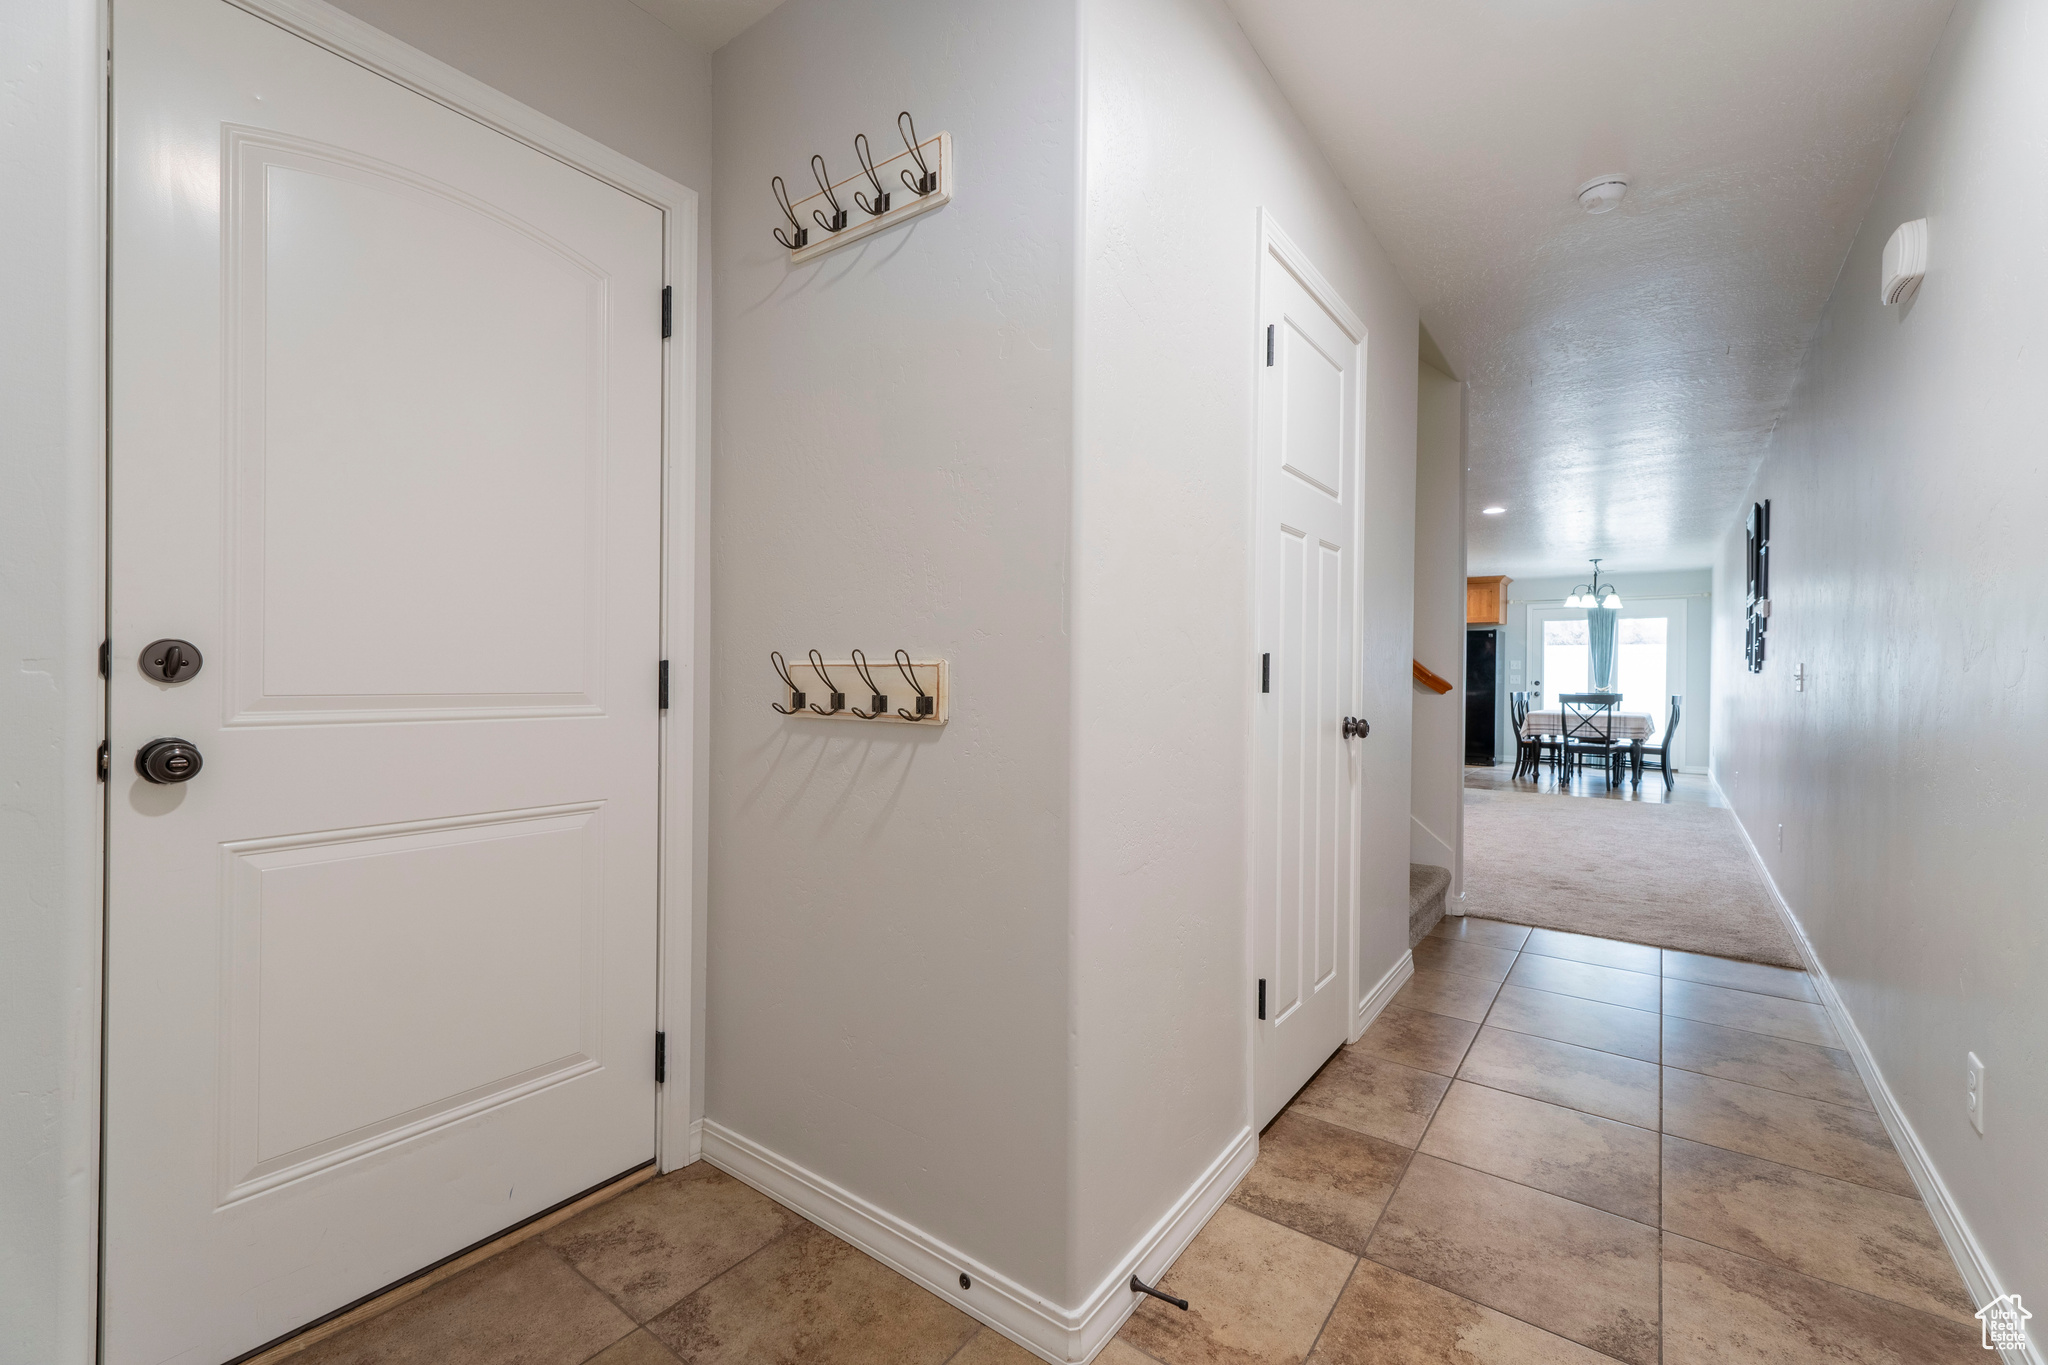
664,684
1265,673
1262,997
660,1058
106,658
1269,343
668,310
106,760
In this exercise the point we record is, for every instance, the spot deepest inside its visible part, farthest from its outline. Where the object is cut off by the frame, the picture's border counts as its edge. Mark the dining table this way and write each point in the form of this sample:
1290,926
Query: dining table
1630,727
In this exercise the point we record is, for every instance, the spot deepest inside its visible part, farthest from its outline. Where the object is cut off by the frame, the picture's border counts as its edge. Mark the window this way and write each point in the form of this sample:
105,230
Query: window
1641,657
1565,650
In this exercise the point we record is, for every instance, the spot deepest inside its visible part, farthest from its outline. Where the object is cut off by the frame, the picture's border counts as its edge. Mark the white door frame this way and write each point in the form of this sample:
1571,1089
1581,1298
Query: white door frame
1675,661
679,909
1275,242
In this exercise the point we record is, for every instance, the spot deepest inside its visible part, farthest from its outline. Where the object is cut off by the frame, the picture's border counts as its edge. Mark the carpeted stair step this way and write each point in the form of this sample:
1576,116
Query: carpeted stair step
1427,886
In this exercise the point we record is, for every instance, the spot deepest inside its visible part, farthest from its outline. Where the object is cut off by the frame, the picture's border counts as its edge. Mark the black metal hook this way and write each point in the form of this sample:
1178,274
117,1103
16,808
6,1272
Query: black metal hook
1138,1286
880,205
837,222
803,234
924,699
834,695
876,699
796,696
927,180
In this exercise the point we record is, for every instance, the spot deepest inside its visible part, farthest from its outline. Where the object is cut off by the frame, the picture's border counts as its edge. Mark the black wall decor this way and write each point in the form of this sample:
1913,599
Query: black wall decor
1759,590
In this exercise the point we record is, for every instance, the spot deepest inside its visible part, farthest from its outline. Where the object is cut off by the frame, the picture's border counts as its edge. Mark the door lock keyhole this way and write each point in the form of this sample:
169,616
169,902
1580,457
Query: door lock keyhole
171,661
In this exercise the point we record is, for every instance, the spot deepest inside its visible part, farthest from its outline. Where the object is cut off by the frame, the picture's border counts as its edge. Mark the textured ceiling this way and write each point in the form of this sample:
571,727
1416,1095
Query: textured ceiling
1625,369
712,23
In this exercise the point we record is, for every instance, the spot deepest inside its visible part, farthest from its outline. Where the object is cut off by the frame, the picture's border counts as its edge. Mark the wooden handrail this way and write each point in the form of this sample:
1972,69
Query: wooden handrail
1430,680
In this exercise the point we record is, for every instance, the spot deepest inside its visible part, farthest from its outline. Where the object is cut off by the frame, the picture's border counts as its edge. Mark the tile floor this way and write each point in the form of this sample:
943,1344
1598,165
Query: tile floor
1549,1150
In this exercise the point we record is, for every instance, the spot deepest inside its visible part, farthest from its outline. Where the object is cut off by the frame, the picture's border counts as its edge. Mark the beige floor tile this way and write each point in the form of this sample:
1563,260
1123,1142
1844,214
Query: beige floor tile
1721,1308
638,1349
1429,1042
1387,1318
1741,976
1603,1083
1461,997
1601,952
1464,957
1568,1019
1829,1139
1574,1271
1819,1073
523,1307
1368,1095
650,1247
1612,1166
1610,985
1491,932
808,1297
1772,1014
993,1348
1317,1178
1882,1244
1121,1352
1257,1293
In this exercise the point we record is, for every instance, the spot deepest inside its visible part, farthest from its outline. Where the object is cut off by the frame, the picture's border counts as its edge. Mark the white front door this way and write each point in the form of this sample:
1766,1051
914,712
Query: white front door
1305,838
385,450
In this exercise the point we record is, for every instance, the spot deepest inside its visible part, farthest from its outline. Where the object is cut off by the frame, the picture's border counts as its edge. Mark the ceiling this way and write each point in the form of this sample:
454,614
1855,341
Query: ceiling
711,23
1625,370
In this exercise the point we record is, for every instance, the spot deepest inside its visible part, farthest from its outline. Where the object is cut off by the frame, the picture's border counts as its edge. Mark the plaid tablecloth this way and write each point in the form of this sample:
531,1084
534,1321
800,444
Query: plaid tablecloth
1628,725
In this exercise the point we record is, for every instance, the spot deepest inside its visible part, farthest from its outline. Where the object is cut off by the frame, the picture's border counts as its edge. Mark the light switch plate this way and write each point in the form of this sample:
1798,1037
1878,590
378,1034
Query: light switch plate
1975,1099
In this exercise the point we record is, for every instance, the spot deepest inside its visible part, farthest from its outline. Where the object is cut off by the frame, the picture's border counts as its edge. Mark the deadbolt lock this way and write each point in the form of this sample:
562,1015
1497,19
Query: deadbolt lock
171,660
168,760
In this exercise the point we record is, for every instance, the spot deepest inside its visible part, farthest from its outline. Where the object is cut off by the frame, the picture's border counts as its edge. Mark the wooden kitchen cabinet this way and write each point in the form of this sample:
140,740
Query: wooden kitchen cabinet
1486,600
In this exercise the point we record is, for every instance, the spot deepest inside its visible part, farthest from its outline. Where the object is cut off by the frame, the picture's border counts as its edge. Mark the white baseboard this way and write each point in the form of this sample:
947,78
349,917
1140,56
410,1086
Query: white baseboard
1061,1335
1978,1276
1376,999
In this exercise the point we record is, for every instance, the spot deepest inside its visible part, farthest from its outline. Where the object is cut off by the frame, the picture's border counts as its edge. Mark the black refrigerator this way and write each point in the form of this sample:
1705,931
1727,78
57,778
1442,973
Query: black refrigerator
1480,649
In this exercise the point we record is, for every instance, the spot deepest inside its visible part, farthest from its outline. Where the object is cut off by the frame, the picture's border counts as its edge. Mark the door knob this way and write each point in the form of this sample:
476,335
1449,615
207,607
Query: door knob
1354,728
168,760
170,660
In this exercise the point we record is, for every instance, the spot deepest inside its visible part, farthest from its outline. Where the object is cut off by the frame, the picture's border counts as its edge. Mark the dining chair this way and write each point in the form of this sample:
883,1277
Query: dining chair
1661,757
1588,729
1528,747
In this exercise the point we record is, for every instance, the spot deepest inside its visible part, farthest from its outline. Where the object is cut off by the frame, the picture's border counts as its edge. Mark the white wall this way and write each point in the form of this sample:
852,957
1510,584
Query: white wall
51,620
1436,791
1908,495
1188,138
888,995
1695,586
600,66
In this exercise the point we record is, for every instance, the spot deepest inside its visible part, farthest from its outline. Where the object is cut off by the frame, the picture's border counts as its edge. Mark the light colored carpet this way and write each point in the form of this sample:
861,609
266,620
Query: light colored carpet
1675,876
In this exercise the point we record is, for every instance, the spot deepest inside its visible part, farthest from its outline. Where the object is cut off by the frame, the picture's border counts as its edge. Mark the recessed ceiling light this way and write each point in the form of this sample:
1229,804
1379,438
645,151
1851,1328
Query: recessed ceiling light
1491,511
1602,193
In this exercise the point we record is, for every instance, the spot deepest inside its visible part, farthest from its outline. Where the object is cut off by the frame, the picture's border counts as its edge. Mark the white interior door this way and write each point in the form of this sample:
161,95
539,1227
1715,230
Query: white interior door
385,447
1306,769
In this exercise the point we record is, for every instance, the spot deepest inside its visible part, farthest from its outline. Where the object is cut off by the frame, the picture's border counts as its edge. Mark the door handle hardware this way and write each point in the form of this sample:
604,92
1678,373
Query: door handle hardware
1354,728
171,660
165,761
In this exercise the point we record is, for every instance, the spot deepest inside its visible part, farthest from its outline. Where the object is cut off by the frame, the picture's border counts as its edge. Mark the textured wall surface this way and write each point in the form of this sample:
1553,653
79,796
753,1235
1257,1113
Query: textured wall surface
1436,791
1908,494
1188,138
888,927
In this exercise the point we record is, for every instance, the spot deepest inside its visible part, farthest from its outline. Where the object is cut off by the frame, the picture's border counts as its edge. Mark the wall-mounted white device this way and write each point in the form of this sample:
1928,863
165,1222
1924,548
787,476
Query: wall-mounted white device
1974,1078
1905,261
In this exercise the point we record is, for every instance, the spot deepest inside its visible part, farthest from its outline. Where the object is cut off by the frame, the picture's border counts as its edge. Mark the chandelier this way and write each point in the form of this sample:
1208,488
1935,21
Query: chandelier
1595,594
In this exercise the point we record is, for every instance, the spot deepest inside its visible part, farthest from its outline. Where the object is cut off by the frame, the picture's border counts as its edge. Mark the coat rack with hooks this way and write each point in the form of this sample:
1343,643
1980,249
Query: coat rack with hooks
899,691
880,194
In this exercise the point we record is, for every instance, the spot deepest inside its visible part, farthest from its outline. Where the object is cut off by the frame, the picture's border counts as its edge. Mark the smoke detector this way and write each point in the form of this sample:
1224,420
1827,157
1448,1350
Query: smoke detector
1602,193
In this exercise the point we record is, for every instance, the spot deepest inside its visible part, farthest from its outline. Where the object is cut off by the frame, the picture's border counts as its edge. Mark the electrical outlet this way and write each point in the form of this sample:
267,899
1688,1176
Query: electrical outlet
1975,1099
